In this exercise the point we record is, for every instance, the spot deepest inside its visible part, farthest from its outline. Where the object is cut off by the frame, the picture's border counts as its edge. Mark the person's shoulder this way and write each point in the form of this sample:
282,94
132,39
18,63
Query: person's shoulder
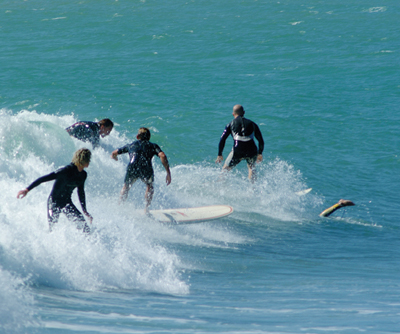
133,145
157,148
65,169
69,166
249,121
230,124
82,123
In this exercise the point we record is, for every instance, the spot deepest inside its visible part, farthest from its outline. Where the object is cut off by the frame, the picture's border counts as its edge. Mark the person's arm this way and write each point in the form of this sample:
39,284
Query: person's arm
34,184
260,139
222,141
165,163
114,155
82,200
333,208
122,150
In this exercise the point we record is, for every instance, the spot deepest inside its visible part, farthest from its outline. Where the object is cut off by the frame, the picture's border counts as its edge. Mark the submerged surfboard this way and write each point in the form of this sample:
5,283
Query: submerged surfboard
191,215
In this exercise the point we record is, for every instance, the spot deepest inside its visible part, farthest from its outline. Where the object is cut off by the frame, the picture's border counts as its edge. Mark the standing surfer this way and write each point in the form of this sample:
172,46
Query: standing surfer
141,151
243,132
66,180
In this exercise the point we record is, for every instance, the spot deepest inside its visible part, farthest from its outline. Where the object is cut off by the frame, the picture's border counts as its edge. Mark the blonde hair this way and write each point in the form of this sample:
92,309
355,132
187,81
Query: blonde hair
81,157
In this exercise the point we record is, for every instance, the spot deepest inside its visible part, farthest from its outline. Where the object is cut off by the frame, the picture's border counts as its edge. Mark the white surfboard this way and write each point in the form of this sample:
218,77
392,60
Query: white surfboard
191,215
303,192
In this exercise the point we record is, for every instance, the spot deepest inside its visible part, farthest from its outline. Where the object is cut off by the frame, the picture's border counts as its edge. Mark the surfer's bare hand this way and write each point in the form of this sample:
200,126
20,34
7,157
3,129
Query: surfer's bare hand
220,158
259,158
114,155
22,193
168,179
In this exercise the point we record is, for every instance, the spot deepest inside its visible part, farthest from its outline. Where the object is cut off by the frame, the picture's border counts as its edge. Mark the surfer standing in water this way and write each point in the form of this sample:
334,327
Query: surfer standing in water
66,180
91,131
141,151
243,132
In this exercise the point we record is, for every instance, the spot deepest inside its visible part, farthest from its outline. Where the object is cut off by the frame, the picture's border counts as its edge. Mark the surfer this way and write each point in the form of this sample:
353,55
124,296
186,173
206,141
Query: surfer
342,203
66,180
91,131
243,132
141,151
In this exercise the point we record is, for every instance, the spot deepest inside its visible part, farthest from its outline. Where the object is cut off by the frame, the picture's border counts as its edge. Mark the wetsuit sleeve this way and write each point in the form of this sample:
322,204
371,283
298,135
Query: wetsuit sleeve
224,136
45,178
157,149
124,149
69,129
82,196
259,137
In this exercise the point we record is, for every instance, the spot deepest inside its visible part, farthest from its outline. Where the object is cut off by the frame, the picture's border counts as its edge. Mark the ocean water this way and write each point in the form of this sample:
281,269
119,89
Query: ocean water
321,78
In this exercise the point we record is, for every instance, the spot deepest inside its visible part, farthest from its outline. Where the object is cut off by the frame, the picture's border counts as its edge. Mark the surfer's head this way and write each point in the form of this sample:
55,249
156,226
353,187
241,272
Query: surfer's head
143,134
82,157
238,110
106,125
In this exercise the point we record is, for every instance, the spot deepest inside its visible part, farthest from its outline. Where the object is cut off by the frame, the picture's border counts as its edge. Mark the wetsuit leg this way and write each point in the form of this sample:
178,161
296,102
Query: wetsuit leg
53,213
251,164
231,161
148,180
130,178
76,216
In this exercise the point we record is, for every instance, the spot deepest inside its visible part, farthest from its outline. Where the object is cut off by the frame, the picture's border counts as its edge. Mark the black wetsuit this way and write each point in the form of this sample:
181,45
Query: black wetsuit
86,131
140,154
243,132
67,179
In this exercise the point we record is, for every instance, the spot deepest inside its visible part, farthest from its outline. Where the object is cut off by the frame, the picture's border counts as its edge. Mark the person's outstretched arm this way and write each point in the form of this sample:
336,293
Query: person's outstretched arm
34,184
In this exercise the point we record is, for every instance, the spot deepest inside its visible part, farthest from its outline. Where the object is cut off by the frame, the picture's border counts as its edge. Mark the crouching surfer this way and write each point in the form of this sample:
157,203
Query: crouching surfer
66,180
342,203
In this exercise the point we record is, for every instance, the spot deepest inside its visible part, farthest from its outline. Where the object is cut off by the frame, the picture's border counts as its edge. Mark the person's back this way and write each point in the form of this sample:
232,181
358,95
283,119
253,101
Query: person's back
141,153
85,131
67,179
91,131
140,167
243,131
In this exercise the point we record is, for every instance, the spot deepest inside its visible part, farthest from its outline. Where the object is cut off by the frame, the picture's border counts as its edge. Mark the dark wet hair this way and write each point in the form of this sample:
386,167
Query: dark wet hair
143,134
106,122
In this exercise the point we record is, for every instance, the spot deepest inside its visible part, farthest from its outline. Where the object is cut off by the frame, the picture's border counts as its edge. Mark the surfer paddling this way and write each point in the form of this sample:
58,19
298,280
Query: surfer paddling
91,131
243,132
342,203
66,180
141,151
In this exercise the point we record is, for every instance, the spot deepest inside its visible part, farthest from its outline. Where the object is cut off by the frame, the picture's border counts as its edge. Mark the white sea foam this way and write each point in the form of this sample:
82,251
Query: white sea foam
126,249
116,255
17,304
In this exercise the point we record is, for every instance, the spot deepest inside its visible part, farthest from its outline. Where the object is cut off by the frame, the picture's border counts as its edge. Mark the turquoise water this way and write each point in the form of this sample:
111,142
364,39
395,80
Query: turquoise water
321,80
